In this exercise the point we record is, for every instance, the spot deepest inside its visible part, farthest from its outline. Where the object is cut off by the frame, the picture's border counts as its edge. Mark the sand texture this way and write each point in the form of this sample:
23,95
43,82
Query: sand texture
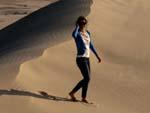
37,53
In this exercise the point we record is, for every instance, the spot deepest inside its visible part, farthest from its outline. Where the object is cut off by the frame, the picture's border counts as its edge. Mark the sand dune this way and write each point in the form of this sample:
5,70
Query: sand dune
120,84
13,10
28,37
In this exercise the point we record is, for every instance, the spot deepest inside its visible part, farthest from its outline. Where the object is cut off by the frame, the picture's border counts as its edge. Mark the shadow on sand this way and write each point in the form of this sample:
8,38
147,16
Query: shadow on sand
41,95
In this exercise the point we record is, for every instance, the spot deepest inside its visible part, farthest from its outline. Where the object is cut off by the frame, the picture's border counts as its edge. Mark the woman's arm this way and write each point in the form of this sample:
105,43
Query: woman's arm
75,32
94,51
93,48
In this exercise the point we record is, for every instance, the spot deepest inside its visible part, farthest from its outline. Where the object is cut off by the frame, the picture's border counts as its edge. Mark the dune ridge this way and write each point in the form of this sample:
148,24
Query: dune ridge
120,84
31,35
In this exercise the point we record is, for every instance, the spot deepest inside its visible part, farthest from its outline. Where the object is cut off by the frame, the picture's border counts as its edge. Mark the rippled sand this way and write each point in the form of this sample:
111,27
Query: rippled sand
13,10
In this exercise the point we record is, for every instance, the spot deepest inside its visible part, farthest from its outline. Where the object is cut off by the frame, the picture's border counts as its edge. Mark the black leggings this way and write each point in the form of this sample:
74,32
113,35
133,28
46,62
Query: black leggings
84,65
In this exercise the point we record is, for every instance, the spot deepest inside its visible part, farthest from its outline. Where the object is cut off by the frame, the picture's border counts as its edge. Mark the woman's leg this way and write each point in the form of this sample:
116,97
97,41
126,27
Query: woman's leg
77,87
83,65
80,62
86,75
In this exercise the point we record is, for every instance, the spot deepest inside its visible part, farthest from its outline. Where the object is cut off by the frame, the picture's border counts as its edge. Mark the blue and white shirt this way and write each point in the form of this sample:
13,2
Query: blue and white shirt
83,43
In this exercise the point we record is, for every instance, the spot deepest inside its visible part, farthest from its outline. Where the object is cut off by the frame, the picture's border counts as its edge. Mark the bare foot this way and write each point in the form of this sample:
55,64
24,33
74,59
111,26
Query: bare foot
73,98
84,100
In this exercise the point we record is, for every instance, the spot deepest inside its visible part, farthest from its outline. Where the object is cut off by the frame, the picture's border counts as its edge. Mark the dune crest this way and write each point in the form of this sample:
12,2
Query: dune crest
120,84
30,36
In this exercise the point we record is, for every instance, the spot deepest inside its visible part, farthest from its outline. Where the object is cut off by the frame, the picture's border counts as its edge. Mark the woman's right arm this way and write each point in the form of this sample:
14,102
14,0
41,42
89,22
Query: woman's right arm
75,32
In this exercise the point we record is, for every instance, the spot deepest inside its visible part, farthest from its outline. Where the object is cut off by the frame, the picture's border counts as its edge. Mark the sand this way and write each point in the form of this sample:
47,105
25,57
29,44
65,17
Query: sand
43,59
13,10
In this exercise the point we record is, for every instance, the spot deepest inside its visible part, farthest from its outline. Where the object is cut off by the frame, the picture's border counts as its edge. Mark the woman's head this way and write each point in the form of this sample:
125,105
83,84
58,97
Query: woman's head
81,21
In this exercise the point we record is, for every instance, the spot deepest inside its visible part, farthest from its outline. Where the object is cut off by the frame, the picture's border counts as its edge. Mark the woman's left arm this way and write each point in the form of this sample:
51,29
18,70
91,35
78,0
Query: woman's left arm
94,51
93,48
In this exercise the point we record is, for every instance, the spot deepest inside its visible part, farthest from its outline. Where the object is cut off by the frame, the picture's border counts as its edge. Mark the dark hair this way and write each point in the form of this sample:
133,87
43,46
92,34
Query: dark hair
81,20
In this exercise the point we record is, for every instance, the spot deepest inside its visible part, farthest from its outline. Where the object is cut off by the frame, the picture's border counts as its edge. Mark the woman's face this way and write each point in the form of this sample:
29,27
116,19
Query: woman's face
82,23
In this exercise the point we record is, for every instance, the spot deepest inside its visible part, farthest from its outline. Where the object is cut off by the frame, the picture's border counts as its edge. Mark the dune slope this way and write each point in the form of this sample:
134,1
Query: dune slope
28,37
120,84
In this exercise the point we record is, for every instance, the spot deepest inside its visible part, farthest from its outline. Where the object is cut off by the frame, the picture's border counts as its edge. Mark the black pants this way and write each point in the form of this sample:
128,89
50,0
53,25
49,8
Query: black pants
84,65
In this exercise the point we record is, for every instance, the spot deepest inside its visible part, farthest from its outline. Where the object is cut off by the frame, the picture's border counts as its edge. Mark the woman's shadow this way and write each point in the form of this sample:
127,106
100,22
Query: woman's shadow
40,95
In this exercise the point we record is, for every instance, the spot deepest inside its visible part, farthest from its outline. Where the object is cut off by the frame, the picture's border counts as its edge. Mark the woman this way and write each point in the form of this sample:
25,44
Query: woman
83,43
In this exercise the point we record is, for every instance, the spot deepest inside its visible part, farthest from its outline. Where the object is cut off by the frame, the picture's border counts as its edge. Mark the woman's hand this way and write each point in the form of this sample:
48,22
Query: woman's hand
99,59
